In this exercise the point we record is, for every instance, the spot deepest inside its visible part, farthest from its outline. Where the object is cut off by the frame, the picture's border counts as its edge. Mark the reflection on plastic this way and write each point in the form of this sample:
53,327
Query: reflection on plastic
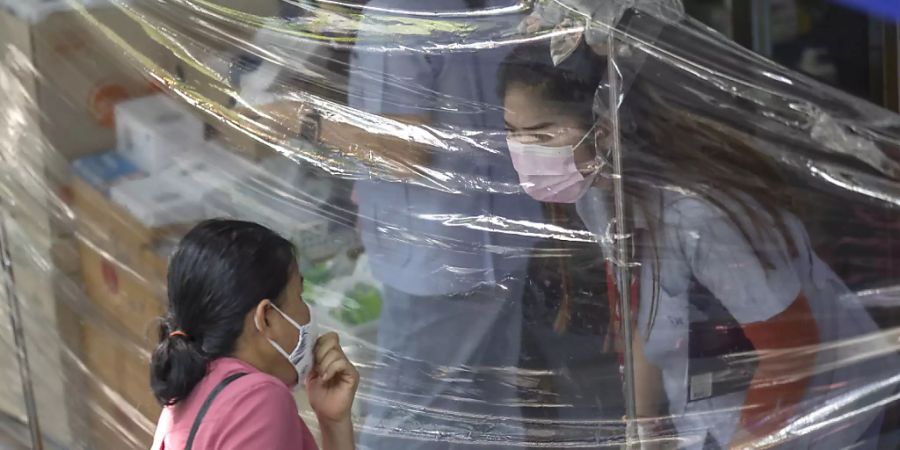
738,220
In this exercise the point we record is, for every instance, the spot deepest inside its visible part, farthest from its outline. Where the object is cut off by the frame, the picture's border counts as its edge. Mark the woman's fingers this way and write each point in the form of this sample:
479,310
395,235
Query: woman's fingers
338,367
330,358
327,342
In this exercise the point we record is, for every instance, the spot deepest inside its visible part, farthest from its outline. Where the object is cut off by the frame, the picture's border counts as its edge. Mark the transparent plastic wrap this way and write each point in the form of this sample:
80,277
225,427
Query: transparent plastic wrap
534,224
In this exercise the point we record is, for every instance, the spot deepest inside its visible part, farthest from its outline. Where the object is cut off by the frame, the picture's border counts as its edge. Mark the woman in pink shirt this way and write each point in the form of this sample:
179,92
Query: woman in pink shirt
236,340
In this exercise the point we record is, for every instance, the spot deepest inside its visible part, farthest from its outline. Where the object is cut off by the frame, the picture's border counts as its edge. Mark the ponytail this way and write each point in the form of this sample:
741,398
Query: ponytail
176,367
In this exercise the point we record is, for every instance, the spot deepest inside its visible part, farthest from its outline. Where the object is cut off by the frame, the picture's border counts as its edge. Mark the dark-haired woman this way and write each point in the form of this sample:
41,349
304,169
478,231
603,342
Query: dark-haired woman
235,342
741,330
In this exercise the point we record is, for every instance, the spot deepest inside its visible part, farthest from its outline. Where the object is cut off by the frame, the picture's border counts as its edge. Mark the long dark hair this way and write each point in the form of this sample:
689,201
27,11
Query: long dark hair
220,272
670,142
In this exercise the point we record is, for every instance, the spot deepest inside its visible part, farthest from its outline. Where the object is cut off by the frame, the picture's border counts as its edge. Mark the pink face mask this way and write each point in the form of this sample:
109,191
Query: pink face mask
549,174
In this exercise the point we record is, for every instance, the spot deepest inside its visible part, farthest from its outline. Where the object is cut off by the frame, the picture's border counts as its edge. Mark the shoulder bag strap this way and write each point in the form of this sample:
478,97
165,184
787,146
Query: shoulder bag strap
203,409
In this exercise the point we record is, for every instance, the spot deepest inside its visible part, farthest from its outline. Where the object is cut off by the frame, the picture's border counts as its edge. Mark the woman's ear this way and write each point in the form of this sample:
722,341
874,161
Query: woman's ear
260,317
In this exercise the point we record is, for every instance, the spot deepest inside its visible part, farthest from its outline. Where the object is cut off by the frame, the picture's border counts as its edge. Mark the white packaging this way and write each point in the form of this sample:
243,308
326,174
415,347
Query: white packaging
209,166
156,201
178,194
151,130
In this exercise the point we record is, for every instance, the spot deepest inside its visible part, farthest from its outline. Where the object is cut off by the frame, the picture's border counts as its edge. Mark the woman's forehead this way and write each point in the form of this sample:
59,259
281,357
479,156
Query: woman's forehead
536,115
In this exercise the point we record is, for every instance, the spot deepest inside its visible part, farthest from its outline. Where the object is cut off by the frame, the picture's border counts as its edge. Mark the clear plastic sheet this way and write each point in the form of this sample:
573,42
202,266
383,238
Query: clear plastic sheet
714,261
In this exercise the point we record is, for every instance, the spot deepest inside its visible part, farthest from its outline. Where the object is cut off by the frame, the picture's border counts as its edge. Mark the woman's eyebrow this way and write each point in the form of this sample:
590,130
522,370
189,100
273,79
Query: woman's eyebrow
537,126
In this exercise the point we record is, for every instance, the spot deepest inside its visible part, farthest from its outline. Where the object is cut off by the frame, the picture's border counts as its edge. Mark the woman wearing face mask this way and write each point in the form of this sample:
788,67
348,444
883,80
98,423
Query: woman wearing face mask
725,266
237,339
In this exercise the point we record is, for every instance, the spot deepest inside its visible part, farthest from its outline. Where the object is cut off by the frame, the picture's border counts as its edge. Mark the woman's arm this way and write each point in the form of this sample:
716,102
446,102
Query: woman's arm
379,148
649,400
337,435
649,390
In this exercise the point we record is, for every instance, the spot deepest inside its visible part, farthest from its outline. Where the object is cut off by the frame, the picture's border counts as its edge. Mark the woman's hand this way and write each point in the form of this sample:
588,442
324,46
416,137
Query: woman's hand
331,385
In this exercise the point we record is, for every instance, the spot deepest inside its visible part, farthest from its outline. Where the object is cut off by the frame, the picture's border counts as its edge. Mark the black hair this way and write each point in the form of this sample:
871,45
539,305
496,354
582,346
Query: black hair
220,272
572,84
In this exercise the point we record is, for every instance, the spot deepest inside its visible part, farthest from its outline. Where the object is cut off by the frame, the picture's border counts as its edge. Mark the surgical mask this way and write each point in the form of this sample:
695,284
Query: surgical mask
549,174
301,357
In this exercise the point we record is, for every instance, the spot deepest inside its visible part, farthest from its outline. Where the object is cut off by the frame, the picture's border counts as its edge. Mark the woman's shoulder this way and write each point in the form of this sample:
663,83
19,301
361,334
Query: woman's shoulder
696,209
251,382
246,398
741,210
255,395
248,387
728,221
256,410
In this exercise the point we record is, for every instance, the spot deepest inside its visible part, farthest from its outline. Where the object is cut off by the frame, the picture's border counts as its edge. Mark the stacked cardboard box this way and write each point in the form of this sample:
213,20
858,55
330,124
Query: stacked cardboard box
131,205
101,245
70,77
124,286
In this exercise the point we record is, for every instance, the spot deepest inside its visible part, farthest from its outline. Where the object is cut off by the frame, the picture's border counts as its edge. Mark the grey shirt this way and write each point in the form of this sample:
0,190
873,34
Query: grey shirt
425,240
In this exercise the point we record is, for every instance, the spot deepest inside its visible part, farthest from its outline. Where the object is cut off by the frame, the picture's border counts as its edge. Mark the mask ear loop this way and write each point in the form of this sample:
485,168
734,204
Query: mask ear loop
599,162
288,318
274,344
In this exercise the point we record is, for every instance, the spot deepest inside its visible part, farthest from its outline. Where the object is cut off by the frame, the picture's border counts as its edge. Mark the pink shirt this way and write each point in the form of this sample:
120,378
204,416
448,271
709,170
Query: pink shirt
256,411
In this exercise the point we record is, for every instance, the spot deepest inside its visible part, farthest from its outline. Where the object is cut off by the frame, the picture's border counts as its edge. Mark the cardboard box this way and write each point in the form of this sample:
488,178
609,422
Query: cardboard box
79,74
238,141
121,276
126,304
100,356
136,389
110,228
121,262
71,75
110,422
125,285
131,296
122,365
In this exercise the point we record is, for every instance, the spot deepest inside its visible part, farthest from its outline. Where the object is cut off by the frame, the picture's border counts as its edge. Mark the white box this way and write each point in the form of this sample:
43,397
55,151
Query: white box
155,201
152,130
212,167
179,193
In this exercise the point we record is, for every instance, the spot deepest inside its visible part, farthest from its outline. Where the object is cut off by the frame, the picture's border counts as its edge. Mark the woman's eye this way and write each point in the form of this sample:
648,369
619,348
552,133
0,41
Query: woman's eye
540,136
537,138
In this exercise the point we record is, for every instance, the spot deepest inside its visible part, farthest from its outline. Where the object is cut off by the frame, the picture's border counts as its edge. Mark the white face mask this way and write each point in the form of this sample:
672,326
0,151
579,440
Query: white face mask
301,357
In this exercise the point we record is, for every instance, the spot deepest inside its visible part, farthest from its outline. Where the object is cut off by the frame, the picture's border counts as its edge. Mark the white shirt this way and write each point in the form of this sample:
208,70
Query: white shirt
695,240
